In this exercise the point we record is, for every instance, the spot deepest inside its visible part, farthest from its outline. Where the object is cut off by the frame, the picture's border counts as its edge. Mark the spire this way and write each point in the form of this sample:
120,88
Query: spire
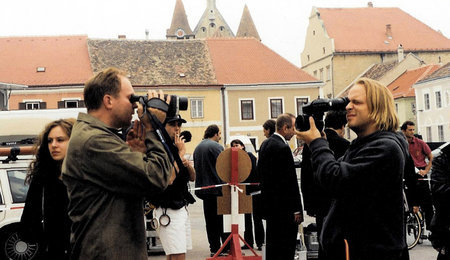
179,29
247,28
212,23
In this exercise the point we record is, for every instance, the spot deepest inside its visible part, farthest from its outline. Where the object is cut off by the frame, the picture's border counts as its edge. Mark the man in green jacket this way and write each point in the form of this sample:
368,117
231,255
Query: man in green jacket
107,178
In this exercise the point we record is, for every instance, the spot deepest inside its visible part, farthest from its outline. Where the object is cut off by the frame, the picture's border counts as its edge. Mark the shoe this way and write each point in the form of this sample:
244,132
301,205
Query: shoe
259,248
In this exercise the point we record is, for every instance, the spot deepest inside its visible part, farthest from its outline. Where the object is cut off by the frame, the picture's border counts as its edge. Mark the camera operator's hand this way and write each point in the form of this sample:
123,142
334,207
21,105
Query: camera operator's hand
161,115
311,134
136,137
180,144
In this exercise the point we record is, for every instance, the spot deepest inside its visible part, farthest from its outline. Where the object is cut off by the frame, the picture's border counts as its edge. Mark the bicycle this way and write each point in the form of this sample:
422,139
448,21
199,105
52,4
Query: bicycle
414,225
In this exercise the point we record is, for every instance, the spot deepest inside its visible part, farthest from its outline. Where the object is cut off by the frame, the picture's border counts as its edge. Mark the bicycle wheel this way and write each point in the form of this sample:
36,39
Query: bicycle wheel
413,229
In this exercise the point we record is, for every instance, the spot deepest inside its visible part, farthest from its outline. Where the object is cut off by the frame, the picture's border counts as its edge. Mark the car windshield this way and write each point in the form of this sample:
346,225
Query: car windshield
17,184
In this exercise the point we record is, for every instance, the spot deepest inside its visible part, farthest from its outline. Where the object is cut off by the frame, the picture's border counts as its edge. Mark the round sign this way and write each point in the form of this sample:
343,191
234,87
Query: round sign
223,165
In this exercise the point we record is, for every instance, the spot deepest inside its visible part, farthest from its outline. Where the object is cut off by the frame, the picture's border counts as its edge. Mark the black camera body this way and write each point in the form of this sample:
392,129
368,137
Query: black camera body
176,104
317,109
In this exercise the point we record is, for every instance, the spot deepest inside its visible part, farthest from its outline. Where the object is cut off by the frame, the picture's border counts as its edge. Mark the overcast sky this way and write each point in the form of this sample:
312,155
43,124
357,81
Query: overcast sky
281,24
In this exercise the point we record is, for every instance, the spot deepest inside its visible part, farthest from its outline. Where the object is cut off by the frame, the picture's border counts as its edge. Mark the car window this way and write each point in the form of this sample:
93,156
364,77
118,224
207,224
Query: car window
17,184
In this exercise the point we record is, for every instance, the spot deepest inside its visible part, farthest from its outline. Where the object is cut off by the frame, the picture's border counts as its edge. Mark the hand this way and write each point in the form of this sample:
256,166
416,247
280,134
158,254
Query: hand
180,144
136,138
309,135
298,218
160,115
423,173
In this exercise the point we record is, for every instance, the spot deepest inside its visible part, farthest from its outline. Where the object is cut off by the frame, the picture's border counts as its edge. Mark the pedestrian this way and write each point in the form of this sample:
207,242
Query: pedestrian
205,157
440,190
256,216
107,178
420,190
269,128
172,205
366,216
316,199
45,219
279,190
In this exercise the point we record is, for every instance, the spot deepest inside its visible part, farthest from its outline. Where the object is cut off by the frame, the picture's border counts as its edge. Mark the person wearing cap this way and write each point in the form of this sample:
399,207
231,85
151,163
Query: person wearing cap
174,226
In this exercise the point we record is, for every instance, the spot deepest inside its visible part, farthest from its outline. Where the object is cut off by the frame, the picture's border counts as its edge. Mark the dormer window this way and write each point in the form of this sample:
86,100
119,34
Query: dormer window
40,69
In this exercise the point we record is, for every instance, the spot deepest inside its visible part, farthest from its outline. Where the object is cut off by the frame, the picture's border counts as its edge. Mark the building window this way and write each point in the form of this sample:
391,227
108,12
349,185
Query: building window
413,108
438,99
321,74
276,107
212,25
314,32
300,102
315,74
441,133
396,107
328,73
426,100
32,105
307,56
222,28
247,110
196,108
203,29
323,50
447,95
429,137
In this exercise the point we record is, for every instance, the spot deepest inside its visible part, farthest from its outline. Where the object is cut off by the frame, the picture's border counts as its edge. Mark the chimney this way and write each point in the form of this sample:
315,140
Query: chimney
370,4
400,53
388,31
122,36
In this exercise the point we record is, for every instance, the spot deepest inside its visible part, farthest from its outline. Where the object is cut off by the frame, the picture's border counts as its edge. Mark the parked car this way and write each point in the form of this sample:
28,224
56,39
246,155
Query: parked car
13,192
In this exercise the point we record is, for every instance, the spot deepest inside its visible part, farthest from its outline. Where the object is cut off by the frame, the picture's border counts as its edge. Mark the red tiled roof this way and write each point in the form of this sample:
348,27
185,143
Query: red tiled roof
442,72
402,86
65,59
248,61
364,30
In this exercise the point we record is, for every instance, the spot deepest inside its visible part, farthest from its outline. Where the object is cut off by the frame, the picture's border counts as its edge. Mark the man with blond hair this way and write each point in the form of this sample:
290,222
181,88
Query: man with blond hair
365,220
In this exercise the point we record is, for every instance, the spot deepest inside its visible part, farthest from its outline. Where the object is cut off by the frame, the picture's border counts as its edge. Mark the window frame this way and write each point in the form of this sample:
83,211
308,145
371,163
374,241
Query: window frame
195,114
270,106
426,101
241,110
438,99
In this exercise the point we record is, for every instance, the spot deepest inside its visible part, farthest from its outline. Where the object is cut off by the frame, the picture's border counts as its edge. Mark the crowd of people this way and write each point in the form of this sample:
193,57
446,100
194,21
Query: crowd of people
91,176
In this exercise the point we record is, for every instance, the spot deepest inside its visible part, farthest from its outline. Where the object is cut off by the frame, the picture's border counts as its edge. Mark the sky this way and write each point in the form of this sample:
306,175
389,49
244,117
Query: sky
281,24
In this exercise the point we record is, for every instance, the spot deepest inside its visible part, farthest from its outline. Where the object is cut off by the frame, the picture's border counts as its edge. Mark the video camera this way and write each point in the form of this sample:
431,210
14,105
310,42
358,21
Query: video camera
176,104
316,109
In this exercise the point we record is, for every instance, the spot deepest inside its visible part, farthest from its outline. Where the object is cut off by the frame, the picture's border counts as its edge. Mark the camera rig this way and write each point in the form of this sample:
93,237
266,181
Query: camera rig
317,109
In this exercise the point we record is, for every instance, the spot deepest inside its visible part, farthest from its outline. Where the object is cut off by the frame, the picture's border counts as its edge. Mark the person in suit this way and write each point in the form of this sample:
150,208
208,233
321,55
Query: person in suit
317,200
279,190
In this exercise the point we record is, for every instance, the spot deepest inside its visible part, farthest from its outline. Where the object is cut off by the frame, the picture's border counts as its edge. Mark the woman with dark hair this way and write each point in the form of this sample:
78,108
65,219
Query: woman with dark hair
269,128
45,219
256,201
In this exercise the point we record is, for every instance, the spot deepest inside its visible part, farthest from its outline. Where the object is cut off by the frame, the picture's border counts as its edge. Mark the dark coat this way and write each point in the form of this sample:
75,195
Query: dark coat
367,189
279,186
316,199
205,157
53,234
440,189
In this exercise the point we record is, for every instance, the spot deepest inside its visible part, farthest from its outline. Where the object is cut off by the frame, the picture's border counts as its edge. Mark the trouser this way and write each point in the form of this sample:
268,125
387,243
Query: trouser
214,223
257,222
424,200
281,237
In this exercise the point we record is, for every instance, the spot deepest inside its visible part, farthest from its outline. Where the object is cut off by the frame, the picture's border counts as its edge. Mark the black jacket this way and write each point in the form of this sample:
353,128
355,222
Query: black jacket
316,199
279,187
440,190
367,190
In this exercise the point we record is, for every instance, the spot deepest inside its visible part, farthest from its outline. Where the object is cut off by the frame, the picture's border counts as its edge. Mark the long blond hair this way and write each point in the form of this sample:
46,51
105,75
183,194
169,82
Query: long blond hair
381,105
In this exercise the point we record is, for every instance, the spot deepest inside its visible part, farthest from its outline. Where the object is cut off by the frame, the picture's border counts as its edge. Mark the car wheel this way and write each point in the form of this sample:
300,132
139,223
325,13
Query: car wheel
13,247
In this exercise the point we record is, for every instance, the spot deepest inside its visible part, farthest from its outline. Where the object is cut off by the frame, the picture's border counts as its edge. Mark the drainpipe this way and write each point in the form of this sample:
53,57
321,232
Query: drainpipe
224,114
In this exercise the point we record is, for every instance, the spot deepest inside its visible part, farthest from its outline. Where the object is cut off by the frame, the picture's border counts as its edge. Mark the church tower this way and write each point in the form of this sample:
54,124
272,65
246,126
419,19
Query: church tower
247,28
179,29
212,24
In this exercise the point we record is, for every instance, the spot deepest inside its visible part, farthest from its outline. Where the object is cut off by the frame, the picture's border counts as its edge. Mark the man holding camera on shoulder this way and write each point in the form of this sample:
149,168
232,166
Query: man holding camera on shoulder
365,220
108,178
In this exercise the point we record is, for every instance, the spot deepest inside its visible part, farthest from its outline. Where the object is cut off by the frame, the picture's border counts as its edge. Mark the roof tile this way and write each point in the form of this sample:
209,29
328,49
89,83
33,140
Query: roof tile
402,86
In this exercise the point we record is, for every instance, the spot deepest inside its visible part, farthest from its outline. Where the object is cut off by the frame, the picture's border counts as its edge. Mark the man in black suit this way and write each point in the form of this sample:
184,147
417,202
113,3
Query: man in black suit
279,190
317,200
